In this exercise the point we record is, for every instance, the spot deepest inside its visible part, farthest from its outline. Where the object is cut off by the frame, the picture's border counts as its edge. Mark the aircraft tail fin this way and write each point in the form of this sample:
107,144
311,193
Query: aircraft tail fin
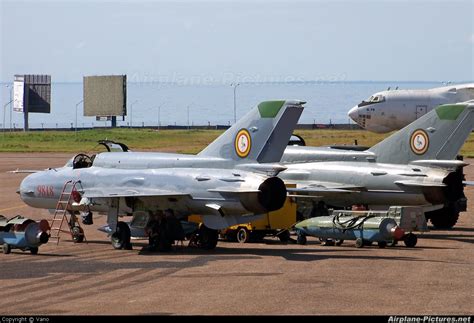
438,134
261,135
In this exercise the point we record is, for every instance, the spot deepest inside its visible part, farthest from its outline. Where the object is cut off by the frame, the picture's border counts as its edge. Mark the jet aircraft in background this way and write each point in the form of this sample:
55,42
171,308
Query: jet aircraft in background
394,109
414,166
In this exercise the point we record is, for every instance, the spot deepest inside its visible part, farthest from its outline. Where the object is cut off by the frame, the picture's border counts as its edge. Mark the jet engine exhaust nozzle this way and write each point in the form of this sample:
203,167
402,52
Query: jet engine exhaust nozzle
272,194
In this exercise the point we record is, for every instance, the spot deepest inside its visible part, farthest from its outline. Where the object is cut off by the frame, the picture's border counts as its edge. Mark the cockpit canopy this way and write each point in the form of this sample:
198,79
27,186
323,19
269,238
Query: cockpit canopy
377,98
80,161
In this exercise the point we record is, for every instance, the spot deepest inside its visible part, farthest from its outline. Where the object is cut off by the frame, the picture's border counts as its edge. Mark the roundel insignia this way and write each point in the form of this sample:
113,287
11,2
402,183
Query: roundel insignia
419,142
242,143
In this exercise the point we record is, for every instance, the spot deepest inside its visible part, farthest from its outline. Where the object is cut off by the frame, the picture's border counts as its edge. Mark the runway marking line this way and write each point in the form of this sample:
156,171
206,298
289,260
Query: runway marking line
13,207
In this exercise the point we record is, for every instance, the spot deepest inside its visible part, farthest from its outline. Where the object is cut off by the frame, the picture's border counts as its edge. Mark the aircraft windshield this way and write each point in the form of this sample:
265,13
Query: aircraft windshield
82,161
69,162
373,100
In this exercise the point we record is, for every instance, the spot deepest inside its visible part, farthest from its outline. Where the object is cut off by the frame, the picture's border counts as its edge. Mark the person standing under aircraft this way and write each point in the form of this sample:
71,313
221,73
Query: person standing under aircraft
152,230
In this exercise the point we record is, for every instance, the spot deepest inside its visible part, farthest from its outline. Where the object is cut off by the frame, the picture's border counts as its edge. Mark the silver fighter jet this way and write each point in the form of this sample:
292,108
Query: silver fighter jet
414,166
233,180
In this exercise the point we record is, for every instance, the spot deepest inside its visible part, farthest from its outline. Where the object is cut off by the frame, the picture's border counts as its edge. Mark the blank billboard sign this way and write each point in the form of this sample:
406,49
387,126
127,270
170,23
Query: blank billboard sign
105,95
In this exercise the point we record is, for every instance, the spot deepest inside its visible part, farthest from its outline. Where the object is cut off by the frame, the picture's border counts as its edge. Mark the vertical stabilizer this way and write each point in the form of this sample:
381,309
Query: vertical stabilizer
439,134
261,135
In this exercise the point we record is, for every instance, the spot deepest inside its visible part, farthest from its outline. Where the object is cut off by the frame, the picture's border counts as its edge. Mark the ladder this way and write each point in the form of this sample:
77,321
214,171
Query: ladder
60,215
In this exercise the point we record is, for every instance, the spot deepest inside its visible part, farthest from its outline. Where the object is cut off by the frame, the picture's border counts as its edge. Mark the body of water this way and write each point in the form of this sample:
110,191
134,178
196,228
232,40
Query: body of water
152,104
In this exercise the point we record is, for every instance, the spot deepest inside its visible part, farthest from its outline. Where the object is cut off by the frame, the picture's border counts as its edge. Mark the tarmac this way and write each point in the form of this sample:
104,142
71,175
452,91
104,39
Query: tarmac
434,278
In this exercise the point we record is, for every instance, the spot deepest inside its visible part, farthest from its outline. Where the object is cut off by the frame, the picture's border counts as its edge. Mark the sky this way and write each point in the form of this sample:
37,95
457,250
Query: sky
238,41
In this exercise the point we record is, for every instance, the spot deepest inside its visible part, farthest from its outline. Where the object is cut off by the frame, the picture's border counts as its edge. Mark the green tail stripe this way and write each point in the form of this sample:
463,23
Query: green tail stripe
269,109
450,111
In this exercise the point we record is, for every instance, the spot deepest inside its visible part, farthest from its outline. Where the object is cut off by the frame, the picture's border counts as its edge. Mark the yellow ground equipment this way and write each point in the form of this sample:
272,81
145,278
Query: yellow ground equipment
274,223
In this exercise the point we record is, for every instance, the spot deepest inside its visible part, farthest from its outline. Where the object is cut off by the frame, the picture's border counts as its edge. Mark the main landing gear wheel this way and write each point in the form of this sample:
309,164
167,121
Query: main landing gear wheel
444,218
77,234
121,237
243,235
207,238
410,240
34,251
359,243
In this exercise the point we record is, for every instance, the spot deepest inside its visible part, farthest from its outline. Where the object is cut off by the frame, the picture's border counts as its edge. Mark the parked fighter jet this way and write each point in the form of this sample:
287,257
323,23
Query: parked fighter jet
392,110
414,166
231,181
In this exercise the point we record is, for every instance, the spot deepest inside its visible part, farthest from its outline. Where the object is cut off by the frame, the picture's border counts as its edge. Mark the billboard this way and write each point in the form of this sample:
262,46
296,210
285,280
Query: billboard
32,93
18,94
105,95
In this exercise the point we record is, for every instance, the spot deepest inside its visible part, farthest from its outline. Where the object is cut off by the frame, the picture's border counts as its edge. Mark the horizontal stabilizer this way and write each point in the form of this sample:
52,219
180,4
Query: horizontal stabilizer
308,190
419,184
267,169
449,164
324,189
232,190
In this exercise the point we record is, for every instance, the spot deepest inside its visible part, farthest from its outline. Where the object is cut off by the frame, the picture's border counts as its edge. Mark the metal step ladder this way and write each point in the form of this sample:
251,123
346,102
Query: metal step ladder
63,207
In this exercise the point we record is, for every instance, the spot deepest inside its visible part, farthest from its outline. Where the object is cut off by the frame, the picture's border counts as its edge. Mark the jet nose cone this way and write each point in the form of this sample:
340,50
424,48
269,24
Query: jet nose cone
26,187
354,113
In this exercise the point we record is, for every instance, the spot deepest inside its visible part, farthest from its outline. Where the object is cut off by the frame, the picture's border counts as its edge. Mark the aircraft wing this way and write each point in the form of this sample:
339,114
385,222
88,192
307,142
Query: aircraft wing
323,189
468,183
132,191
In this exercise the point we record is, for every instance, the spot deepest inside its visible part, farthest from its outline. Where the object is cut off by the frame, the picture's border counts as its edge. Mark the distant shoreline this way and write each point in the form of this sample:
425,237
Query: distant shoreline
279,82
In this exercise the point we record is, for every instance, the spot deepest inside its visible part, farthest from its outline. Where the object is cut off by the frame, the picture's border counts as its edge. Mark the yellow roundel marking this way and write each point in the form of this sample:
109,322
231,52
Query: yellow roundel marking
419,142
242,143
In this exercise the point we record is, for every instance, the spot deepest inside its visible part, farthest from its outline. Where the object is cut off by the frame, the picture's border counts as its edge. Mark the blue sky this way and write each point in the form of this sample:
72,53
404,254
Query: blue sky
225,41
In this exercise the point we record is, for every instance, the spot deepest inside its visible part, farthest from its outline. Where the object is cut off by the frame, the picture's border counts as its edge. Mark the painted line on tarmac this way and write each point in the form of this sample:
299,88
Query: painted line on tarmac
13,207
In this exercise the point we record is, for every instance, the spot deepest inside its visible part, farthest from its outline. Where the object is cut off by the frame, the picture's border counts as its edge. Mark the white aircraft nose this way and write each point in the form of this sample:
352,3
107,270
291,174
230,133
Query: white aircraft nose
354,113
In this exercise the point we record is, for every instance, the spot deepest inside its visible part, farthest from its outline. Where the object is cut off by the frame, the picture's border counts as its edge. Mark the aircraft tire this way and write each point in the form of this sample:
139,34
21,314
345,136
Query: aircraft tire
208,238
382,244
6,248
121,238
444,218
77,234
359,243
410,240
34,250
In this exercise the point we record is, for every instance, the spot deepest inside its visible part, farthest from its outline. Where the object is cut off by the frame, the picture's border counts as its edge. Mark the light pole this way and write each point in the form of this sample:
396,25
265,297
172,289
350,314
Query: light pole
131,113
235,106
192,103
77,104
188,117
4,113
159,115
11,109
